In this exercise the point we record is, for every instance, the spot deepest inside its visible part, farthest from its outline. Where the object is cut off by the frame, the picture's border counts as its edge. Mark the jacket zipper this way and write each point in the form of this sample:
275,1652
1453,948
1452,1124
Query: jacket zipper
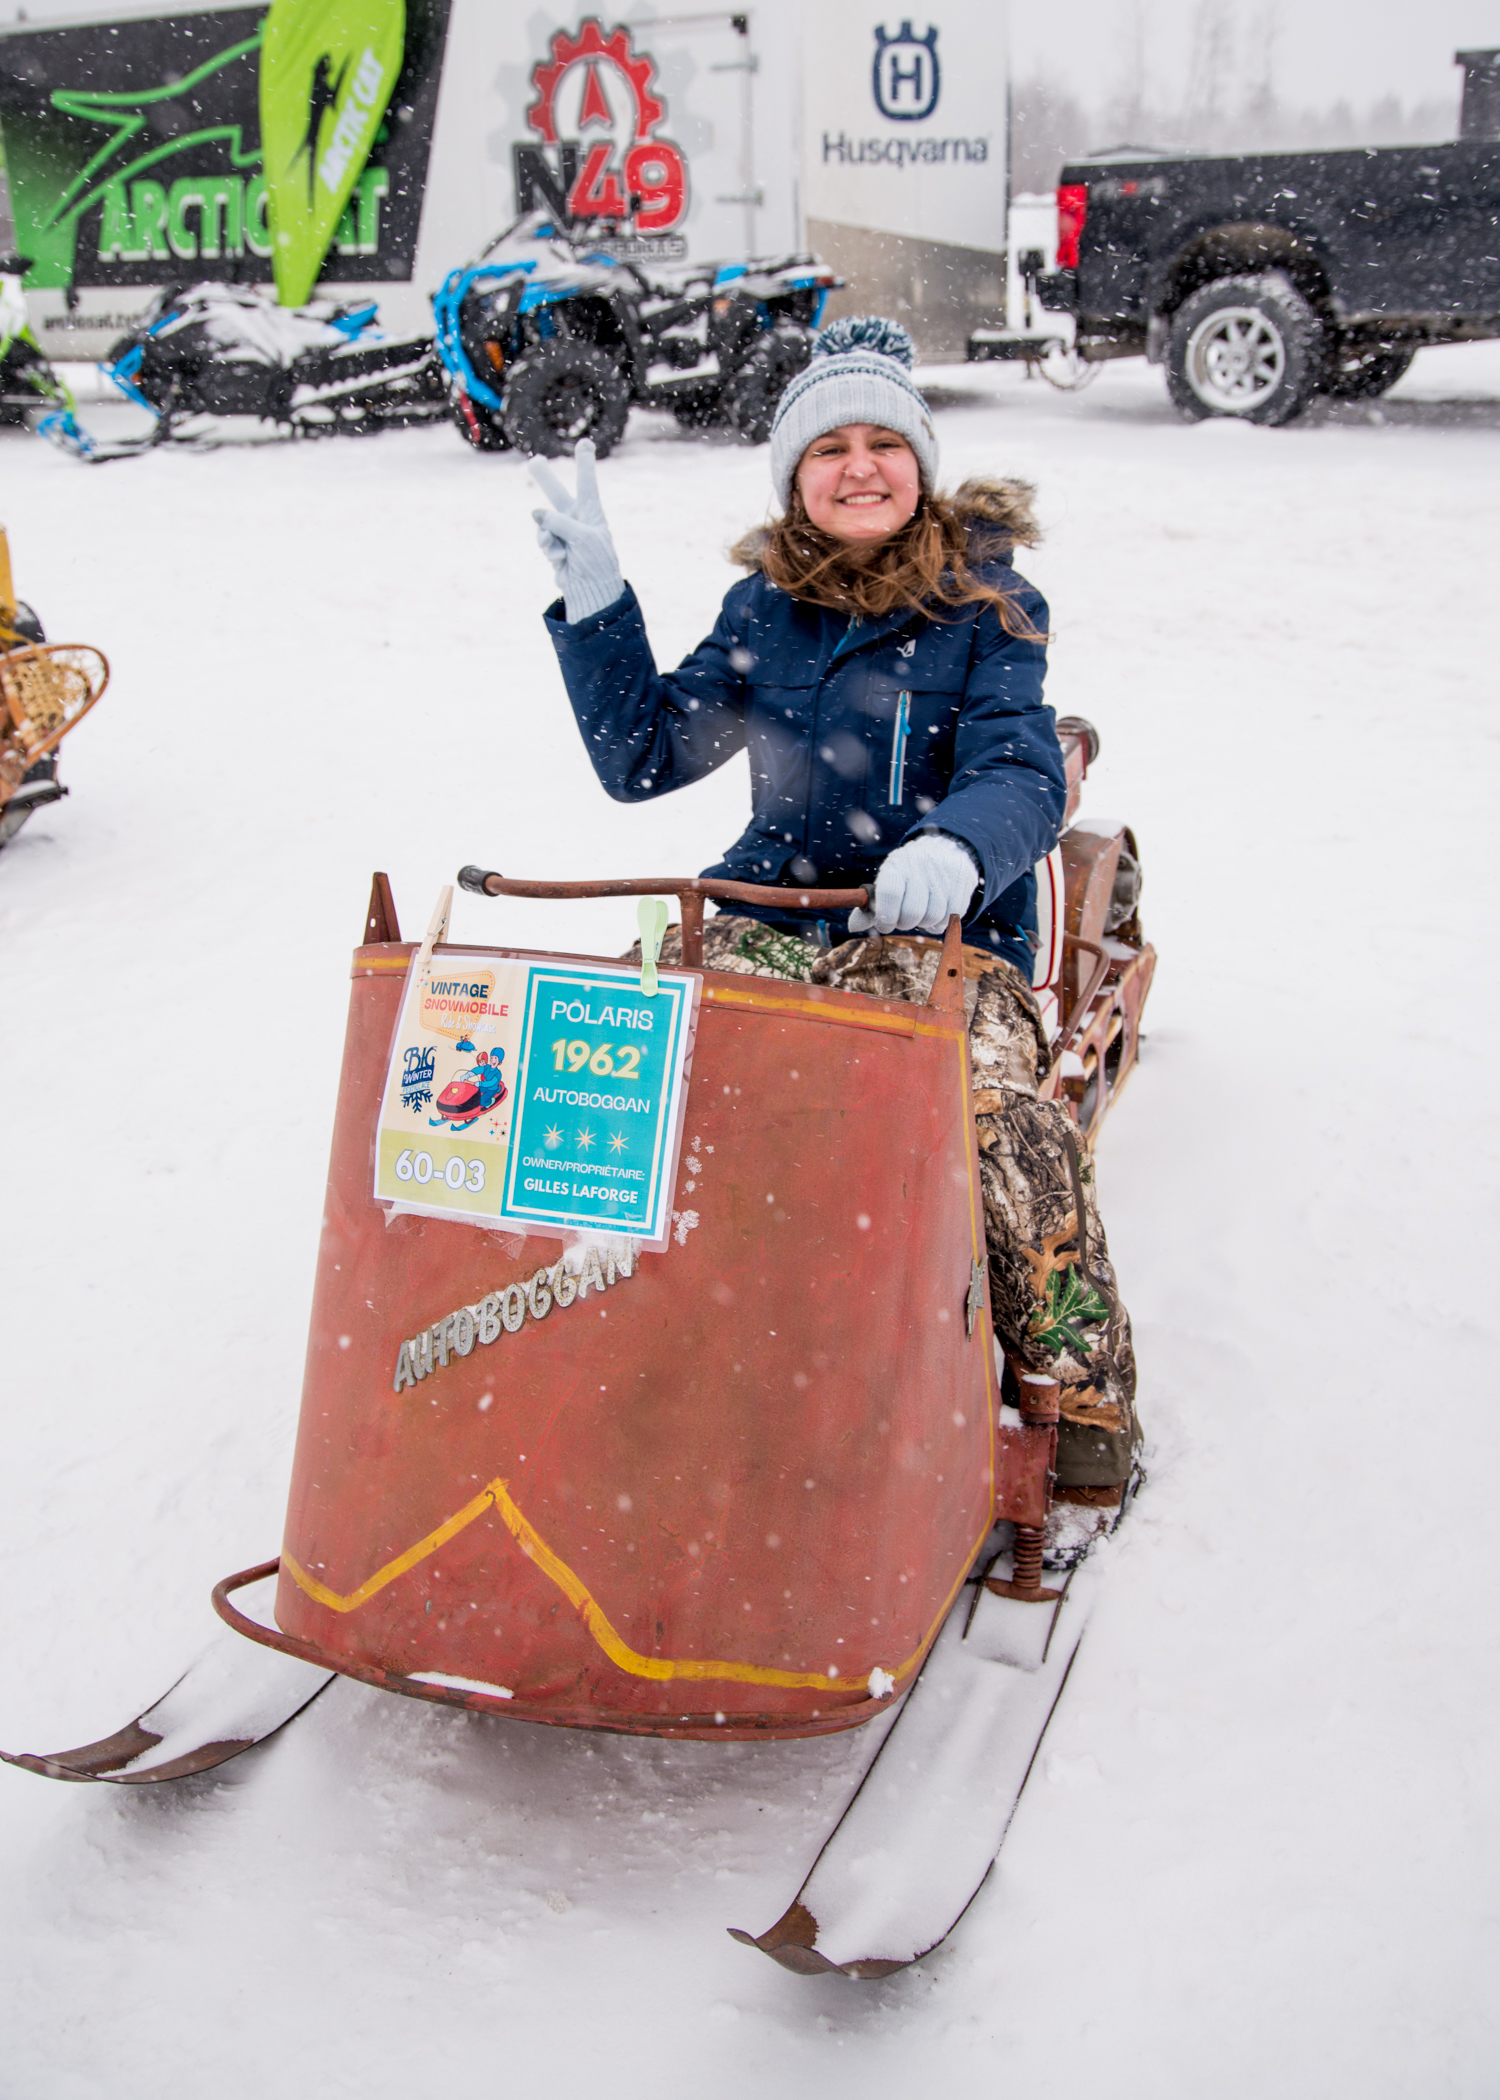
899,733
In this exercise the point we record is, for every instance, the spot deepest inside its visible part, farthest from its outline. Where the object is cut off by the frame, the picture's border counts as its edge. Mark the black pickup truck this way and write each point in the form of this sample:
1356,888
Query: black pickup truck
1260,280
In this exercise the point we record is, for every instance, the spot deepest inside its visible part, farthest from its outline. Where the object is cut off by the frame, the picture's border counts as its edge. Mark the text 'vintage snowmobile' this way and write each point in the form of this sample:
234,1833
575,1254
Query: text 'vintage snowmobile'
216,350
756,1470
549,338
46,689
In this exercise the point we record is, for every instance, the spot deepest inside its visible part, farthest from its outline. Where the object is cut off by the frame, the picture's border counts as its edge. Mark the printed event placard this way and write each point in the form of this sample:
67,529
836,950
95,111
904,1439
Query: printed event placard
537,1094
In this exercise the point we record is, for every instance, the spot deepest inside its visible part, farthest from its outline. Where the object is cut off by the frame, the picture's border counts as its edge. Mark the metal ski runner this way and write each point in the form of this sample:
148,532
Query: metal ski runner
917,1841
229,1699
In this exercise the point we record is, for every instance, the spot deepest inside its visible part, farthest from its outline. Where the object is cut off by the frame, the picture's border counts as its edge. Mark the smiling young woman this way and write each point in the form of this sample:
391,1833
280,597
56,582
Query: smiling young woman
859,482
882,664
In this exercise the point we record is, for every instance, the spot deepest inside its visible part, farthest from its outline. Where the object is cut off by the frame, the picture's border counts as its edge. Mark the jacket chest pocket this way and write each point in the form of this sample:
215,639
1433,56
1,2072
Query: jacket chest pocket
911,747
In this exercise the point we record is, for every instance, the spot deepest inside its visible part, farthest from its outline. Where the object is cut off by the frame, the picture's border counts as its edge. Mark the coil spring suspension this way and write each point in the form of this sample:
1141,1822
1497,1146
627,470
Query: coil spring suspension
1027,1557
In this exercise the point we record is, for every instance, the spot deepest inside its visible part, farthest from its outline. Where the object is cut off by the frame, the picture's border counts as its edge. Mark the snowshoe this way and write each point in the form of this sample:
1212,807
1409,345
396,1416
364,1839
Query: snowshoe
45,691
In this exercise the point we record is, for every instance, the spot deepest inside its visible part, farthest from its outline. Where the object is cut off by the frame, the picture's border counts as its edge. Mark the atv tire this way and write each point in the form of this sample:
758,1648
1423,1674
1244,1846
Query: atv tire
1364,371
753,394
563,392
1249,347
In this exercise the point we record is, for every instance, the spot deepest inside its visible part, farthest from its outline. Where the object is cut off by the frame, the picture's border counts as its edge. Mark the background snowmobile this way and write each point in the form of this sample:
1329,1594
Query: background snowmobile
30,391
45,690
547,339
793,1487
230,350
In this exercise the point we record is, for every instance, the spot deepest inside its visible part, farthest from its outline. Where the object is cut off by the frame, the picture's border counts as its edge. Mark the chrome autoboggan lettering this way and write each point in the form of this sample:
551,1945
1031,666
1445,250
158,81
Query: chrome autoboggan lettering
505,1311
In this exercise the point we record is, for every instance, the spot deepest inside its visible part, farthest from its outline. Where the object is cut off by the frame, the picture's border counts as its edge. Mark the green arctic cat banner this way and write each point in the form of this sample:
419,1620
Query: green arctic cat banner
327,68
134,147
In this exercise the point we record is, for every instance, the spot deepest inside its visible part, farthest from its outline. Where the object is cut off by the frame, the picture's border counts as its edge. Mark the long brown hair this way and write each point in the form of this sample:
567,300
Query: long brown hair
928,566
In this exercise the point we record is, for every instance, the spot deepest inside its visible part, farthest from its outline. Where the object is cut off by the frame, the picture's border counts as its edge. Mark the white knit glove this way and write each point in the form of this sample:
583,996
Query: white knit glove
920,886
575,538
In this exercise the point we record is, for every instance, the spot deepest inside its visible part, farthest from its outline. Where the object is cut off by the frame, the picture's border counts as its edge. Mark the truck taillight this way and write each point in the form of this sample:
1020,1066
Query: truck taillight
1072,210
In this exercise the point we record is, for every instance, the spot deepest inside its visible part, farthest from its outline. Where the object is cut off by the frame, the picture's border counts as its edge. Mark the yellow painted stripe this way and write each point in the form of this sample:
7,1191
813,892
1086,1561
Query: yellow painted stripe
459,1521
660,1667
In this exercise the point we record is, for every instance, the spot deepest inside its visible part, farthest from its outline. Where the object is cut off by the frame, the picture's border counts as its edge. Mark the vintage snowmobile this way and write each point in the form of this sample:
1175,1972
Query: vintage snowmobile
548,338
46,689
217,350
772,1481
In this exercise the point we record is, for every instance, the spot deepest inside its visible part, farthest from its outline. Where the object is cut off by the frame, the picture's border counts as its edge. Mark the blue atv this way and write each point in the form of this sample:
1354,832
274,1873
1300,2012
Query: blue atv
548,339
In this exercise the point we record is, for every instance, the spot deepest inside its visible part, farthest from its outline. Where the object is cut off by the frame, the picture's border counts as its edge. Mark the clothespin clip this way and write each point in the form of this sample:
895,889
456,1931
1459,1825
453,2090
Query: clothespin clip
437,927
651,917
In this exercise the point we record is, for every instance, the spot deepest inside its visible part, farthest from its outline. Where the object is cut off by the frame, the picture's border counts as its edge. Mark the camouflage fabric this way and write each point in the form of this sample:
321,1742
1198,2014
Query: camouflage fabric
1053,1294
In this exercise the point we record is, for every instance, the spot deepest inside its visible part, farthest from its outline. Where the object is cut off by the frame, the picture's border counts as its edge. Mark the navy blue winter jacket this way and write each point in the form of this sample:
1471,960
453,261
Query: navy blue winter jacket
859,734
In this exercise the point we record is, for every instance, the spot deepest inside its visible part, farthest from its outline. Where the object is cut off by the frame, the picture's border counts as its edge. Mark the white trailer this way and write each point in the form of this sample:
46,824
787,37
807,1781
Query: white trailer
874,136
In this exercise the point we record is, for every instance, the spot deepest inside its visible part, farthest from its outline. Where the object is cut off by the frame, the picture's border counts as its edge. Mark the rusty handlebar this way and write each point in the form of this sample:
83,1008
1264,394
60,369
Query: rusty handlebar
947,986
689,892
486,883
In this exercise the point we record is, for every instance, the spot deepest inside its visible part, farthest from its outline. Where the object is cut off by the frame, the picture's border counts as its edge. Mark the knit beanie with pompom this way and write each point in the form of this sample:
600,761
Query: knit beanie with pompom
860,372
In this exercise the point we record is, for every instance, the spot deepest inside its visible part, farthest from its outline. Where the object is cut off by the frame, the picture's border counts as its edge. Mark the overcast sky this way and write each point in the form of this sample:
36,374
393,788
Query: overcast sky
1324,50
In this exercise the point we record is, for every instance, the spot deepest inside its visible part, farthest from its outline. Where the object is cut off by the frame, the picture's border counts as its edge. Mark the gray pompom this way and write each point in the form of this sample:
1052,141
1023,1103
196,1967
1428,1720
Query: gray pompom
866,332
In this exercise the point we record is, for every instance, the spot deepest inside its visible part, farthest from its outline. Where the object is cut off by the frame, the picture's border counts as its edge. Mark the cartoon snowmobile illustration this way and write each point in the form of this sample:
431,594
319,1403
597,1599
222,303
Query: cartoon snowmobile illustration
475,1093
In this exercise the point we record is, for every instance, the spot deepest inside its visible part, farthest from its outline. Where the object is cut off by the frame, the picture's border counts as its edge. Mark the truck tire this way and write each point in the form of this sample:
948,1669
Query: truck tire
562,392
1361,372
1249,347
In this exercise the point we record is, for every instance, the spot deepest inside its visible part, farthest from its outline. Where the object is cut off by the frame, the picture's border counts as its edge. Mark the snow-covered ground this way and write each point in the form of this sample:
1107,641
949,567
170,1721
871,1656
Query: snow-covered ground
1259,1853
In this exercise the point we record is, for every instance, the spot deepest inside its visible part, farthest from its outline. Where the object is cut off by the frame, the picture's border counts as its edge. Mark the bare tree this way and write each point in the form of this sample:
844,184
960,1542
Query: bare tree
1262,112
1047,127
1210,67
1127,115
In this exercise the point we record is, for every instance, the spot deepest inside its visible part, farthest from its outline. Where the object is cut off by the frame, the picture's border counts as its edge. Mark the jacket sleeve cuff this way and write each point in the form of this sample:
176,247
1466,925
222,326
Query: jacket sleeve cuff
982,852
940,831
557,620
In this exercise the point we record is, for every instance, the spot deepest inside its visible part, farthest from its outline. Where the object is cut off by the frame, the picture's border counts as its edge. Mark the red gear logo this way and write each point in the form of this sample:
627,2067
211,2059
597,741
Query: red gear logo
651,187
591,43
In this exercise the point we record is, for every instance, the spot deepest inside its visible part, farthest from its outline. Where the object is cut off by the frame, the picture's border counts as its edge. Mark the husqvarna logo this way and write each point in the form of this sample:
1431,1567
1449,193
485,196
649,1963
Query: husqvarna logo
906,76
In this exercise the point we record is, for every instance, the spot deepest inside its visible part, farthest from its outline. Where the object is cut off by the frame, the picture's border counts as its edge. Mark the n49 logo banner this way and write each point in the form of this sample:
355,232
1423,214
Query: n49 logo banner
601,157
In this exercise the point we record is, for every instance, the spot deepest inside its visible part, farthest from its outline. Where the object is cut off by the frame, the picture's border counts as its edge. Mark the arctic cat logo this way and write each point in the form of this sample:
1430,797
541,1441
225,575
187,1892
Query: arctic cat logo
354,126
906,77
629,176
